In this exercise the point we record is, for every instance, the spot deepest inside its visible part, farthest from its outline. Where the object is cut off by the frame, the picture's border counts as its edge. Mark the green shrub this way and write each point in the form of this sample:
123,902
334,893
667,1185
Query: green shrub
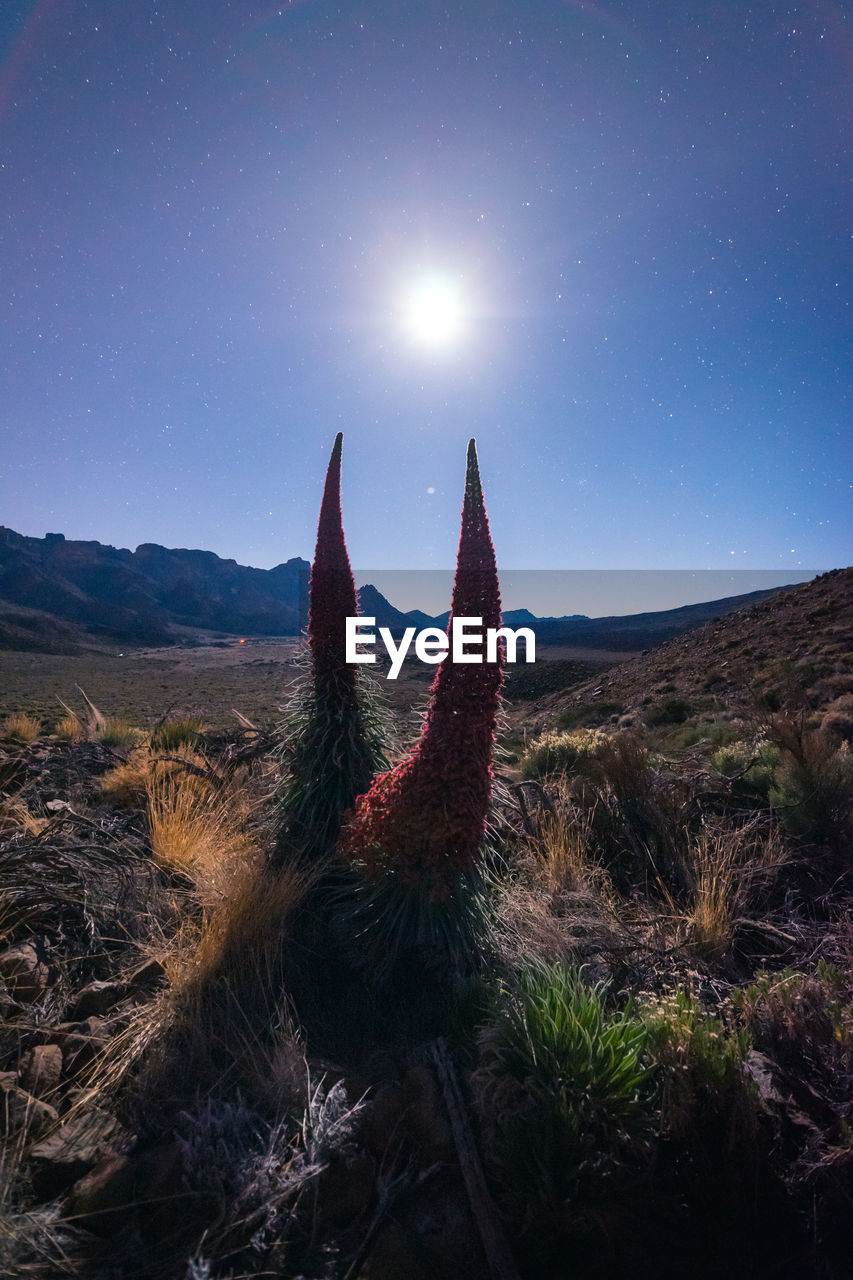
554,753
751,766
119,734
812,789
564,1094
802,1018
704,732
182,731
593,713
668,711
699,1060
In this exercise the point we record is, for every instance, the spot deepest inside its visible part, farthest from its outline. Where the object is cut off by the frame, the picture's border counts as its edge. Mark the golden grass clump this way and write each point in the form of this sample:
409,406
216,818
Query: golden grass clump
180,731
563,848
21,727
15,816
127,784
198,827
70,729
728,866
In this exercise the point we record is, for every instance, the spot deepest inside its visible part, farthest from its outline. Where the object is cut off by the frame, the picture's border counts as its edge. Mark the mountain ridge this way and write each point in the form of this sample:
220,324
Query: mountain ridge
62,595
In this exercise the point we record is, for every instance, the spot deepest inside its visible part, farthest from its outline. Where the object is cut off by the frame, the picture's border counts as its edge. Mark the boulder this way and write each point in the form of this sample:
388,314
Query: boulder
74,1148
104,1195
26,976
20,1111
97,998
41,1069
148,976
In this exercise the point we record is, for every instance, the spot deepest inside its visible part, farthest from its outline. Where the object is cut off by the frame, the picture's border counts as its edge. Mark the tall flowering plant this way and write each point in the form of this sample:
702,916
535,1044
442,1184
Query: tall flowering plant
333,729
332,595
415,836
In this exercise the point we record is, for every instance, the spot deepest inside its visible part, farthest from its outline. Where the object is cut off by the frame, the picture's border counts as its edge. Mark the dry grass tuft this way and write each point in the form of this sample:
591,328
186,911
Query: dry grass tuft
70,729
561,903
225,1019
15,816
198,828
21,727
564,850
729,867
128,784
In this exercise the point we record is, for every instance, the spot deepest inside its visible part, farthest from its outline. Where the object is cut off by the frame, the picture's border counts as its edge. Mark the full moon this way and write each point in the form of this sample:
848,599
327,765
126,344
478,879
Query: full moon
435,313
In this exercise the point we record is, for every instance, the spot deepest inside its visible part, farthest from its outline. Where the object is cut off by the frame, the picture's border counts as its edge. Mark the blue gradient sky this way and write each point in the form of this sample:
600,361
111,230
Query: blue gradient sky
212,213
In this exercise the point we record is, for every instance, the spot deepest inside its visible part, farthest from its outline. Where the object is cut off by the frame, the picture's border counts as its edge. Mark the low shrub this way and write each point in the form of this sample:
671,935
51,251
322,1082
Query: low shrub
21,727
698,1059
564,1095
587,714
812,789
120,734
804,1020
668,711
749,766
704,733
554,753
182,731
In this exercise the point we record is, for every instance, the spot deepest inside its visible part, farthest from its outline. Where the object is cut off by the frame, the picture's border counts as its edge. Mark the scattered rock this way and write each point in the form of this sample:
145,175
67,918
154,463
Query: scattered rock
26,975
80,1042
147,1186
104,1194
148,976
97,998
19,1111
74,1148
41,1070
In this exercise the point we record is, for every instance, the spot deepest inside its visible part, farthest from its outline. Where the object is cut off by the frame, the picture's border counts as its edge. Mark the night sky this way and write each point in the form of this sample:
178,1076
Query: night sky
217,219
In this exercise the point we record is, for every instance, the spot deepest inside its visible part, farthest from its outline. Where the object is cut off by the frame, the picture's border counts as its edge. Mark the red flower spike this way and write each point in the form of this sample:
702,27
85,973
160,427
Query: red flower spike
333,596
425,820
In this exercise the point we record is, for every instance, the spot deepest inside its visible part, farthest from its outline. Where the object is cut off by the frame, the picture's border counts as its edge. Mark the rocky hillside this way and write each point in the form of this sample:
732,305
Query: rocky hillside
799,636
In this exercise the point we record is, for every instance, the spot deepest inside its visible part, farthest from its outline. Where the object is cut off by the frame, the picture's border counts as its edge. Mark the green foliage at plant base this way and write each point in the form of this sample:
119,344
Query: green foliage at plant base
564,1093
332,751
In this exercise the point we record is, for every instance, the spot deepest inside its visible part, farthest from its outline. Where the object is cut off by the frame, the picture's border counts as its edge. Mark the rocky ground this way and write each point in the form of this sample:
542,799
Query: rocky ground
183,1097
